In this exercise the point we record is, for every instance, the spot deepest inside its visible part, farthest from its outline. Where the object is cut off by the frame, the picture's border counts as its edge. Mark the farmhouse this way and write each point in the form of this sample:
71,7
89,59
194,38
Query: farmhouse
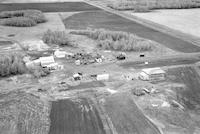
45,61
152,74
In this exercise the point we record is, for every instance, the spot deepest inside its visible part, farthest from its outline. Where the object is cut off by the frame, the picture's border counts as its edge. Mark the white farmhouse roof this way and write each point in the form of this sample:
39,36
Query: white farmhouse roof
151,71
47,60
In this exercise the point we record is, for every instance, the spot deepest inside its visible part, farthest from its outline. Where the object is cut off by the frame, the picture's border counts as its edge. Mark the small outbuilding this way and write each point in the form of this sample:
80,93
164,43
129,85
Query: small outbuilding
60,54
101,77
77,76
121,56
152,74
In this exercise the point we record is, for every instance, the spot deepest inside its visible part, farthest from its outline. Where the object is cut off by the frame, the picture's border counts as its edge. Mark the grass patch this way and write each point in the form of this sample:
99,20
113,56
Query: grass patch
59,38
154,4
11,64
120,41
22,18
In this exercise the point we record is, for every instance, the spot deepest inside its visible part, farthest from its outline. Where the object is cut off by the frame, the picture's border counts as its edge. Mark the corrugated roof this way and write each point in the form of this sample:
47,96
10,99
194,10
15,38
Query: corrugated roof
156,70
47,60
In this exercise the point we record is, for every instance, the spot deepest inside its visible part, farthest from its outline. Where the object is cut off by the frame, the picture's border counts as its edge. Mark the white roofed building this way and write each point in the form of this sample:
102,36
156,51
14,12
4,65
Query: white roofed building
102,77
45,61
152,74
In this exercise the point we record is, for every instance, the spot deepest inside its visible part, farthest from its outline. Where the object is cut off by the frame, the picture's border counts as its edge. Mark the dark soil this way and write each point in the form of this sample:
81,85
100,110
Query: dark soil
126,117
49,7
69,117
5,43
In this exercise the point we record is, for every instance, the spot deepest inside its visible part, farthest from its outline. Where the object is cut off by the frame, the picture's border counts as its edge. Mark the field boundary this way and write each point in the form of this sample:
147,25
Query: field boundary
161,28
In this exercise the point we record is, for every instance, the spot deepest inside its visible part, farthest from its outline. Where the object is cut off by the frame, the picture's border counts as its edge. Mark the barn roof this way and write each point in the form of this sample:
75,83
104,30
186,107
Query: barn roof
151,71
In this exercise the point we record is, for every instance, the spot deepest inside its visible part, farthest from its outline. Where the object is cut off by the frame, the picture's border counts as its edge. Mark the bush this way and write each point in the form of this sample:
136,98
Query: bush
141,9
22,18
143,6
58,38
121,41
19,22
11,64
122,5
39,72
10,14
36,15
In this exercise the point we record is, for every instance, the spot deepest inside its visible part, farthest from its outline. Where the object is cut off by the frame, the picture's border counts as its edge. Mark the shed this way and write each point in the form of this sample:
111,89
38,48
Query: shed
77,76
60,54
152,74
45,61
102,77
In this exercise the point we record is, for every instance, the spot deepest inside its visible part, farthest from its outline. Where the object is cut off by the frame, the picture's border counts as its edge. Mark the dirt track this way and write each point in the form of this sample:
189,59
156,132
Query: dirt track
160,63
68,117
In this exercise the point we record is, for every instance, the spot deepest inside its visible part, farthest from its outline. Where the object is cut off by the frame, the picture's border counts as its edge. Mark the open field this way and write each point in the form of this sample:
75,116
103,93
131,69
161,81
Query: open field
184,20
23,113
190,95
71,117
102,19
49,7
126,117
